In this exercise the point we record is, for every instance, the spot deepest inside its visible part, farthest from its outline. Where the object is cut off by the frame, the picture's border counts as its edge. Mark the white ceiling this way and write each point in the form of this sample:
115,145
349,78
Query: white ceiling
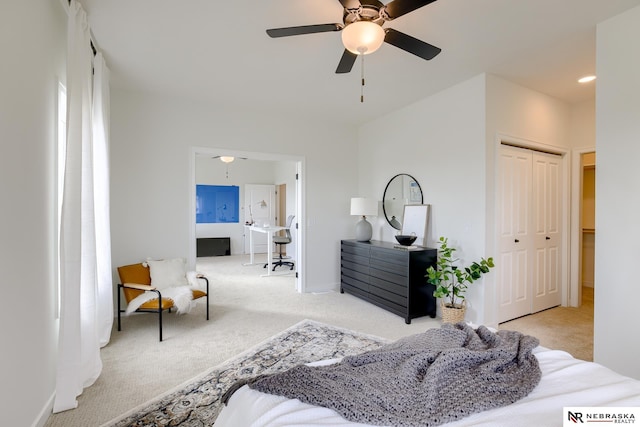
218,51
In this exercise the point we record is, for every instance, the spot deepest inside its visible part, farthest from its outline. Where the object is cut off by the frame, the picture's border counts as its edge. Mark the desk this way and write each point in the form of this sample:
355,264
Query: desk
269,232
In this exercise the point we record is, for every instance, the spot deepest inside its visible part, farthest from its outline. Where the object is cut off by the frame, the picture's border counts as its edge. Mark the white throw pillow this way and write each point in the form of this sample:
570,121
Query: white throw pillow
167,273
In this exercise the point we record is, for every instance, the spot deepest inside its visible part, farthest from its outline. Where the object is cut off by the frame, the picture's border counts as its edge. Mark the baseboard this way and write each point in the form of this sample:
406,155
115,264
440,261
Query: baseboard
44,414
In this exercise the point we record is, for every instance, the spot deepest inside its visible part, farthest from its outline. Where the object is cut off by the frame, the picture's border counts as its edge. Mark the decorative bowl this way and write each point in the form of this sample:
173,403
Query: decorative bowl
406,240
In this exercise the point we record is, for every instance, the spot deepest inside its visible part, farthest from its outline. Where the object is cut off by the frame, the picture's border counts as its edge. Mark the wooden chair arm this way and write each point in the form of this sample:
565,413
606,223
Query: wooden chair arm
138,286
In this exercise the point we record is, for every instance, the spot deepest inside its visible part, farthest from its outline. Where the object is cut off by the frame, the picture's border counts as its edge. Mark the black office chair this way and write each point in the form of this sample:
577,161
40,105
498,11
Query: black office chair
281,241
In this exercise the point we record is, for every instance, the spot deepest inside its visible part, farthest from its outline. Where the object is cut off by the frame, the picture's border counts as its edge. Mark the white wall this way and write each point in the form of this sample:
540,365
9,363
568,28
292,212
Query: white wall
33,51
582,124
519,114
524,113
447,142
617,290
441,142
151,140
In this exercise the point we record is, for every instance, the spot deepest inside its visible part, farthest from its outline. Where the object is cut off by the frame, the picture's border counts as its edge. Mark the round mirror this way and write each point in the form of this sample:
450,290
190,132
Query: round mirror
402,189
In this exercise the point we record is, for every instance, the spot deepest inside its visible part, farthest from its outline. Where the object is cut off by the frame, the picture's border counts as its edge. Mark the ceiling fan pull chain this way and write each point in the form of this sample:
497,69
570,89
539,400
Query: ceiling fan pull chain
362,79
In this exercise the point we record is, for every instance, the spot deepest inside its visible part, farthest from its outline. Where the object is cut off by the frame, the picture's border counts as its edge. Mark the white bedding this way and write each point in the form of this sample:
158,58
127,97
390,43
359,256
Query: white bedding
566,381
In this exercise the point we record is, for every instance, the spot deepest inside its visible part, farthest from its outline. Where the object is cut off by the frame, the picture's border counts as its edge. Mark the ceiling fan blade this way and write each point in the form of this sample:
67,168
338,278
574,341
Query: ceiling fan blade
303,29
350,4
411,44
397,8
346,62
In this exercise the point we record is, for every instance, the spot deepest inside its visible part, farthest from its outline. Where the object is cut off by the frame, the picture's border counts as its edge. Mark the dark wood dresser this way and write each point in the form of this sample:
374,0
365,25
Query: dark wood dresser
388,277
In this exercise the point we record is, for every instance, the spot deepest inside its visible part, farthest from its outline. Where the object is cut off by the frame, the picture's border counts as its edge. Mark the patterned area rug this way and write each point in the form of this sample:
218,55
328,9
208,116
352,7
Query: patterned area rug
198,403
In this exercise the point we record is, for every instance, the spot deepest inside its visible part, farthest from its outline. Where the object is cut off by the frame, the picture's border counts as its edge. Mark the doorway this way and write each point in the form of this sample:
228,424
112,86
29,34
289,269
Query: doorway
583,200
281,215
294,166
587,225
260,201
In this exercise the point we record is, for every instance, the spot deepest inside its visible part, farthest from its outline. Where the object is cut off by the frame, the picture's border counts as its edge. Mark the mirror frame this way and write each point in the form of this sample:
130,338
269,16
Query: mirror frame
386,215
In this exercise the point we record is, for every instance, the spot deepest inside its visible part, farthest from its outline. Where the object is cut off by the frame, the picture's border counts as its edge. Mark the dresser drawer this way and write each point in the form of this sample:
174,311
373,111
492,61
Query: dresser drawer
360,268
399,309
395,256
362,276
398,279
354,287
391,267
356,250
395,288
355,259
384,292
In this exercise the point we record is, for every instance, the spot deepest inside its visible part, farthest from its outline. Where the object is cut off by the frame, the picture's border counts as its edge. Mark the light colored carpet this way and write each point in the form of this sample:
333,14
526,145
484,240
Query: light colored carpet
562,328
246,309
198,403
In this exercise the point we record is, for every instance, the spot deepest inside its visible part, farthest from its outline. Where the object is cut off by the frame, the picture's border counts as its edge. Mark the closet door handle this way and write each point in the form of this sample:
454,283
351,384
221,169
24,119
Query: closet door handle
547,238
517,241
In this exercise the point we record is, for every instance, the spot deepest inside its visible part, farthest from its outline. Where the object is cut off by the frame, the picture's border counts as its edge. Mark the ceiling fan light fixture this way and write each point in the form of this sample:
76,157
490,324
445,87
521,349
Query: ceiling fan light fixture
227,159
362,37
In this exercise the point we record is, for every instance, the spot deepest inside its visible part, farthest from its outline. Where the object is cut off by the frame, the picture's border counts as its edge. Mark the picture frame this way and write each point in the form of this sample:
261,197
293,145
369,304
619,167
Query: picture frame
416,220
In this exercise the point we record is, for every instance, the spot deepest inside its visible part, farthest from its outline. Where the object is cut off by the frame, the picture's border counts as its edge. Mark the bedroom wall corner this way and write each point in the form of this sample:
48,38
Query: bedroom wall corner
33,46
618,183
151,138
527,116
440,141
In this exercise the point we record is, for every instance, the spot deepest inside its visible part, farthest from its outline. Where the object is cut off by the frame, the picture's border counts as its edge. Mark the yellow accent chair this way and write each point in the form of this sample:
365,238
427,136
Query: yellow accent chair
135,279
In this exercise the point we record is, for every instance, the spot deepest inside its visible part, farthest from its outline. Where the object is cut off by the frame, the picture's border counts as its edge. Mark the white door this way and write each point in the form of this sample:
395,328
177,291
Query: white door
547,207
513,261
259,208
529,227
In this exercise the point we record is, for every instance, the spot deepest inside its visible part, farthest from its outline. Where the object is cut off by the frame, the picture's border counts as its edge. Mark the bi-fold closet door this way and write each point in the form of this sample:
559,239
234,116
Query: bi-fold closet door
530,235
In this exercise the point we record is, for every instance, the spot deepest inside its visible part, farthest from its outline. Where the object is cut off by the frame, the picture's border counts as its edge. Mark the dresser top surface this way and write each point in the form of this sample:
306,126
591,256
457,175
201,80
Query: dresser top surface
386,245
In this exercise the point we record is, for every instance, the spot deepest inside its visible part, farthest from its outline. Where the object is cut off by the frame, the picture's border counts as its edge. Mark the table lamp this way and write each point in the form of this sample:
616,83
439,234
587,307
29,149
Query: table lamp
363,207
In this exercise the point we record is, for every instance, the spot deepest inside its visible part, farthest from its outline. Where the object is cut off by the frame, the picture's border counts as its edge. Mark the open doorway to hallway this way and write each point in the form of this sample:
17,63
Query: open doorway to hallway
587,224
245,170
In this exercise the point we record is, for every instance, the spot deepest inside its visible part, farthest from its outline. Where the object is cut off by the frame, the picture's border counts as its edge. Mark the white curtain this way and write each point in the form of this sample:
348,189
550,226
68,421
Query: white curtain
100,122
86,288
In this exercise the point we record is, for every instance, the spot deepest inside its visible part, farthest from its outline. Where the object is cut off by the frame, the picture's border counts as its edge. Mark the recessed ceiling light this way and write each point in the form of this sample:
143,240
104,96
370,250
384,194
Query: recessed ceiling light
586,79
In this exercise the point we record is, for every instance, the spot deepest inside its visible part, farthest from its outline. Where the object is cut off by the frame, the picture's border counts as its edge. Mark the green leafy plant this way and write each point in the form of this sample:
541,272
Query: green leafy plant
450,280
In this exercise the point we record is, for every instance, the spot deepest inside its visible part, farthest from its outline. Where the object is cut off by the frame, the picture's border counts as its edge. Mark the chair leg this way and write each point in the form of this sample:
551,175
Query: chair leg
159,312
160,317
119,287
207,282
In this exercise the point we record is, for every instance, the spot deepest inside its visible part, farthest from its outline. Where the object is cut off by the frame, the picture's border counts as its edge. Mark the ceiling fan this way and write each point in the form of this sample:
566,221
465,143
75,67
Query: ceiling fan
228,159
362,31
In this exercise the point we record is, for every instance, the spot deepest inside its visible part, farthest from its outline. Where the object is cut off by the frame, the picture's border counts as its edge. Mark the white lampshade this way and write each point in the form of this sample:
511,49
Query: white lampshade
362,37
227,159
362,206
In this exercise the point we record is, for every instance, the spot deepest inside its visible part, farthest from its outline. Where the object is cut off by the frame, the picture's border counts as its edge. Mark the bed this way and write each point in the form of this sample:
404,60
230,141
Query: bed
564,382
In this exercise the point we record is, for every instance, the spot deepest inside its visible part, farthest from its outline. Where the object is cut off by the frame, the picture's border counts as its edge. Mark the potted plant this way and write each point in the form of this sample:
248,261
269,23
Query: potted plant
451,281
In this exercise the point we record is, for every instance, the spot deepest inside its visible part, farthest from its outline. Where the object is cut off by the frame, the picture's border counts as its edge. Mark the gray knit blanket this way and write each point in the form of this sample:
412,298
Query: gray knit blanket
427,379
